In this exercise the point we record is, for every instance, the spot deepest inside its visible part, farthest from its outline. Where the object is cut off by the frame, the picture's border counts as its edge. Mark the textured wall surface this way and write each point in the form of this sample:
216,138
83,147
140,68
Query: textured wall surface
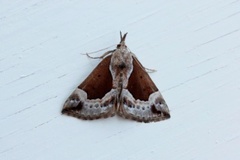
194,46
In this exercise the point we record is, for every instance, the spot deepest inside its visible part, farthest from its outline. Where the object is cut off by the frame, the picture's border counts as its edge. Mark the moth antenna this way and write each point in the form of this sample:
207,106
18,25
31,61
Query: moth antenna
120,35
123,38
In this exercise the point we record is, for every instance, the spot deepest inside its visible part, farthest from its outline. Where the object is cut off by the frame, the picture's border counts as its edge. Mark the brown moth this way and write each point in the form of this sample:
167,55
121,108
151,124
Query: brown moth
118,85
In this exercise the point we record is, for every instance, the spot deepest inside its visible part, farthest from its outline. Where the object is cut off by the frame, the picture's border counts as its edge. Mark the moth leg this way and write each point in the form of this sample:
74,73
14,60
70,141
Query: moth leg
149,70
144,68
102,56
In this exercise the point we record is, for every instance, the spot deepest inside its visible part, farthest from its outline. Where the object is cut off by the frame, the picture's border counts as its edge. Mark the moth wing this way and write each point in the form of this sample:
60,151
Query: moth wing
94,98
141,99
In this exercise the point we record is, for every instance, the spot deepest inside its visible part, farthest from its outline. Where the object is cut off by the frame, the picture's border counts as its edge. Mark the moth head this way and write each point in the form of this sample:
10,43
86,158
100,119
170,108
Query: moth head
122,41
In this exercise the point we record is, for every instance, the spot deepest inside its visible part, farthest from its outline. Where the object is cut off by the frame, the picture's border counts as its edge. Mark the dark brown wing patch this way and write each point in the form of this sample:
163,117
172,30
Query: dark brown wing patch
140,84
99,82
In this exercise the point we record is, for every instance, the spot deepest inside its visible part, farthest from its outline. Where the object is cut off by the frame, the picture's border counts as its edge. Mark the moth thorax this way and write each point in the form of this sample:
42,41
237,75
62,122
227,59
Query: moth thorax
121,67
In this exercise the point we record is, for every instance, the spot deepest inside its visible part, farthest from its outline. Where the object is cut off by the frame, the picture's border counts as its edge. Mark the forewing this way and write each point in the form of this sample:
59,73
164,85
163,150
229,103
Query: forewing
141,100
94,98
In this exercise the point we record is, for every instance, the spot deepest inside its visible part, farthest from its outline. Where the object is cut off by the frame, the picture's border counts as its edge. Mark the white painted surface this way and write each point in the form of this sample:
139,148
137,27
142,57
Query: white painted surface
195,46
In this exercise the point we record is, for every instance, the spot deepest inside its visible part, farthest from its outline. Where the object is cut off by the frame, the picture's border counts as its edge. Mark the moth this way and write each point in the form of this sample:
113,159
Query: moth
118,85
